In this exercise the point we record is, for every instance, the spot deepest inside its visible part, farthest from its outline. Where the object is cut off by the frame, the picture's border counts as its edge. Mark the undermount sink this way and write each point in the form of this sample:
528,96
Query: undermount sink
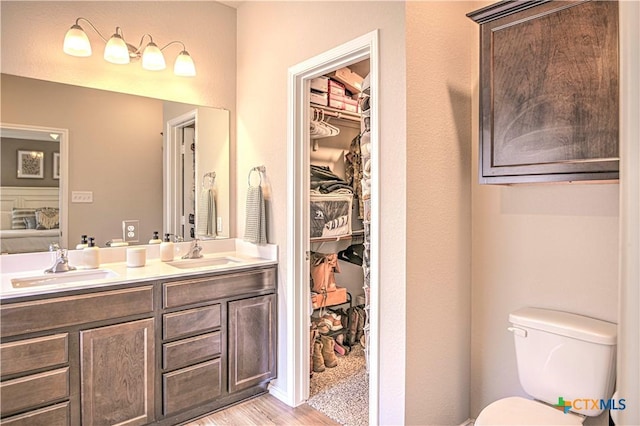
203,262
63,278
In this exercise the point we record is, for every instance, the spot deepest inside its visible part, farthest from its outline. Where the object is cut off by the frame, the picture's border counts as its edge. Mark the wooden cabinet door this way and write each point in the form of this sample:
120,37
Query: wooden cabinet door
118,374
548,91
252,340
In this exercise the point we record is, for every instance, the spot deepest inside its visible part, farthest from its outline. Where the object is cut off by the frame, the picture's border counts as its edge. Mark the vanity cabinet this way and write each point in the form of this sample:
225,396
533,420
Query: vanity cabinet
156,352
548,91
219,340
252,339
118,361
42,366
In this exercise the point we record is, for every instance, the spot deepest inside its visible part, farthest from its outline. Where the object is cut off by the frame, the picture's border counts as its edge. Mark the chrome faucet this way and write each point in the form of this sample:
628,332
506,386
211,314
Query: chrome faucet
194,251
62,262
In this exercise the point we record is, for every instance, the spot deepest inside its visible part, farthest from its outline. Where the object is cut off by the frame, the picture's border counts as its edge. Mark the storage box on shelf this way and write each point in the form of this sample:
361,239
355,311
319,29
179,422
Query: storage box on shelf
330,298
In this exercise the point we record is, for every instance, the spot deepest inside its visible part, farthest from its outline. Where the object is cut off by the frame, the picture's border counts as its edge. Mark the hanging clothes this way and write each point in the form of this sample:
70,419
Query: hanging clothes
353,171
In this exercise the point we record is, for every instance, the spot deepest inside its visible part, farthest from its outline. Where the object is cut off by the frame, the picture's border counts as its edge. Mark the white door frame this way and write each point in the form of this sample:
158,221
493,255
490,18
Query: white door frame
173,191
63,183
298,141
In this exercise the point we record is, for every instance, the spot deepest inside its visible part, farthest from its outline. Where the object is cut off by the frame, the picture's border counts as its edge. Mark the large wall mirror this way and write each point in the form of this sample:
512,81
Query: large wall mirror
118,161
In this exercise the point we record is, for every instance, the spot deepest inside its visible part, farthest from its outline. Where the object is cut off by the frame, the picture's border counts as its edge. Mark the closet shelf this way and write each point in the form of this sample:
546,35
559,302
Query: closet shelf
330,244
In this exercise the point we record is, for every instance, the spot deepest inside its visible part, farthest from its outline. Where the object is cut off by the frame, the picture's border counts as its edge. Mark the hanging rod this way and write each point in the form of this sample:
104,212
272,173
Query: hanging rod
338,113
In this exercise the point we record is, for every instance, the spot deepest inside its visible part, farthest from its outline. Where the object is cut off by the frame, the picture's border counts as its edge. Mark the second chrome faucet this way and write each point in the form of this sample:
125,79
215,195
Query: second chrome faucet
194,251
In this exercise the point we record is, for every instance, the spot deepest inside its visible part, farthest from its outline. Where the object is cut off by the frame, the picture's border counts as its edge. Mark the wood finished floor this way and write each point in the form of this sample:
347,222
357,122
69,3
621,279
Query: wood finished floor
264,410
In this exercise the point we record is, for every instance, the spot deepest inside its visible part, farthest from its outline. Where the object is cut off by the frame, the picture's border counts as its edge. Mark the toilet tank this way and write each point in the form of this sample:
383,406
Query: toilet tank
560,354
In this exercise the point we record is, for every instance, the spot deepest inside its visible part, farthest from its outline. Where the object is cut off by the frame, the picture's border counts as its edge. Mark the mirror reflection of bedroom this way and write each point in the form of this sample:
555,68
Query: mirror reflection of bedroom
29,190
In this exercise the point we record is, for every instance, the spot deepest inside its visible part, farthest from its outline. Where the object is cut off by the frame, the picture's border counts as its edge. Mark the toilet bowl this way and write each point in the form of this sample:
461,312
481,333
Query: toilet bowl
559,355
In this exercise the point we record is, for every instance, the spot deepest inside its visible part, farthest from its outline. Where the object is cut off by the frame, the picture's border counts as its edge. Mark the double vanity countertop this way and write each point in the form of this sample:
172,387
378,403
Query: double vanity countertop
23,274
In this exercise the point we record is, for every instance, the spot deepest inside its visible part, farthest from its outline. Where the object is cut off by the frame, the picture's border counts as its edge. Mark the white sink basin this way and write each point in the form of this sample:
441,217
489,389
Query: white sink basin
62,278
203,262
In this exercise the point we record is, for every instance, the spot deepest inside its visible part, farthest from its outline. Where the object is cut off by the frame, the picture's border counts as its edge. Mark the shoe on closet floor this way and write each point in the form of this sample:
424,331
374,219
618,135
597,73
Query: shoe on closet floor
318,359
330,359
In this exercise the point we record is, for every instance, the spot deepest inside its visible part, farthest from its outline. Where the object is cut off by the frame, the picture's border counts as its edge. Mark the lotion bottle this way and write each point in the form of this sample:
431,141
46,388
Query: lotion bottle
155,239
166,249
91,255
83,243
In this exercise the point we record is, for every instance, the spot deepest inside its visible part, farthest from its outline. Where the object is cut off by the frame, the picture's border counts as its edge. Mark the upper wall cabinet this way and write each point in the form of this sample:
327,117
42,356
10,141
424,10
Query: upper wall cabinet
548,91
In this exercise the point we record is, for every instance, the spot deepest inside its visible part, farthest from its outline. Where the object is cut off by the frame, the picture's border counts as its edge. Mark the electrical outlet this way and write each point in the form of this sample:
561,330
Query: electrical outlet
82,196
130,230
219,225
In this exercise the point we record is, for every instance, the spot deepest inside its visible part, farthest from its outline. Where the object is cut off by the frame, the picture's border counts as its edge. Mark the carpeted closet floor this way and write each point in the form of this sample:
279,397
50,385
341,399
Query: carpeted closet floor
342,392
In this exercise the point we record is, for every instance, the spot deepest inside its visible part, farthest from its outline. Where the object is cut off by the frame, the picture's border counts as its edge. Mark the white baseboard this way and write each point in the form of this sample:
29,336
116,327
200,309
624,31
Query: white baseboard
280,394
468,422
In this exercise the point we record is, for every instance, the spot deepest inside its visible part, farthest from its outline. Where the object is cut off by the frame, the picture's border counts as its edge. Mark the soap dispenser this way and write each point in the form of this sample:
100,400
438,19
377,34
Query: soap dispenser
166,249
155,239
91,255
83,242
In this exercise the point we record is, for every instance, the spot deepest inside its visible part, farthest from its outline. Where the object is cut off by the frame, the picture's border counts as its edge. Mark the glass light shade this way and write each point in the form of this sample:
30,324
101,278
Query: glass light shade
184,65
76,42
116,50
152,58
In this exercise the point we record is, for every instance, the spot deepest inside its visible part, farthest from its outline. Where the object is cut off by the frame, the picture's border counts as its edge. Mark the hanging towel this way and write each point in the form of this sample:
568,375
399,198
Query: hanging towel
256,226
206,224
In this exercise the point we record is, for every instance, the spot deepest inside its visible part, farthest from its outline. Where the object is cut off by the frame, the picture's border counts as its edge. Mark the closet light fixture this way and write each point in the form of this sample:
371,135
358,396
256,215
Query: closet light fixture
118,51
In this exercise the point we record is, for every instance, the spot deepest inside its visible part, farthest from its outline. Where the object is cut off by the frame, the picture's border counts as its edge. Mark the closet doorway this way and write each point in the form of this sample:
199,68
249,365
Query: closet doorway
299,249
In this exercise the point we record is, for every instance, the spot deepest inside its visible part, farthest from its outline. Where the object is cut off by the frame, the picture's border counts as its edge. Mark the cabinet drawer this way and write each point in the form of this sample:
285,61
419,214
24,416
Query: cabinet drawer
55,415
190,321
191,386
34,390
33,354
38,315
189,351
180,293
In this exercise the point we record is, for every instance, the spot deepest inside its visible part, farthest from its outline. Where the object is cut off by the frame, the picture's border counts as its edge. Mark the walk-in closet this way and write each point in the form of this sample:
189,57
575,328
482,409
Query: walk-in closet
339,197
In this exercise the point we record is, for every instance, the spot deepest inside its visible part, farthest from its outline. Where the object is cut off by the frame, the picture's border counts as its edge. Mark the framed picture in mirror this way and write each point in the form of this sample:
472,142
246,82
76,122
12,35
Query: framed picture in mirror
56,165
30,164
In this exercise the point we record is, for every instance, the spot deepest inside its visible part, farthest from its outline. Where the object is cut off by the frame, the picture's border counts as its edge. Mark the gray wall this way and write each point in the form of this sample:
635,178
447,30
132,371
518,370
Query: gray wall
9,148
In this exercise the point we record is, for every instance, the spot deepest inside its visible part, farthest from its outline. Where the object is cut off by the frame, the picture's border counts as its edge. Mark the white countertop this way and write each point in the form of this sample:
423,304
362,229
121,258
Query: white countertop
113,261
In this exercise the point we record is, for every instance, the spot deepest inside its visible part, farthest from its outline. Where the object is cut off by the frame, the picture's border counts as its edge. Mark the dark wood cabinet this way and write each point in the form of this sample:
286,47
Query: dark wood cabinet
252,340
161,352
548,91
118,374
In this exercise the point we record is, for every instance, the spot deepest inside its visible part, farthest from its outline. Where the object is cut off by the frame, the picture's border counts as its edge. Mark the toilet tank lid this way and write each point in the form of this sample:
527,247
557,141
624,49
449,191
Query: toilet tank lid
566,324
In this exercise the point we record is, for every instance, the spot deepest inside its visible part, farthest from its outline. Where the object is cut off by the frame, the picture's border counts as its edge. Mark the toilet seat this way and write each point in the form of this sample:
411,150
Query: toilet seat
520,411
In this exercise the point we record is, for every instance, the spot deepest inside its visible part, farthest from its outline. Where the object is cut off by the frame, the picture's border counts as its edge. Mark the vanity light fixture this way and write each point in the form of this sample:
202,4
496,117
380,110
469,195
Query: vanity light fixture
118,51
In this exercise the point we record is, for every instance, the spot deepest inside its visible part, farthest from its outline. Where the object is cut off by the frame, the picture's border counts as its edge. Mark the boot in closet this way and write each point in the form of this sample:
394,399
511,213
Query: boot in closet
330,358
318,359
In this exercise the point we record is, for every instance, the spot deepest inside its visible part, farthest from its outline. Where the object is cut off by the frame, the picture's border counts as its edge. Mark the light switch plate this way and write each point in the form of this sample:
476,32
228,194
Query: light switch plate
82,196
130,230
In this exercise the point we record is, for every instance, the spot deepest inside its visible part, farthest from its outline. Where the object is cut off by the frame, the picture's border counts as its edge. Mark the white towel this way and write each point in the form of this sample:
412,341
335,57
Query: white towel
206,220
256,226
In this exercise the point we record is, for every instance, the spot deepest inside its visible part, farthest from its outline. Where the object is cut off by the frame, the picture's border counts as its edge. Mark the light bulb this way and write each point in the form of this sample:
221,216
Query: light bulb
76,42
116,50
152,58
184,65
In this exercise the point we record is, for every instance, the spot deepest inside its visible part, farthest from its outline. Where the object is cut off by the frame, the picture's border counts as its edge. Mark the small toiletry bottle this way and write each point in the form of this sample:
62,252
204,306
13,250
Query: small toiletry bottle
91,255
155,239
83,242
166,249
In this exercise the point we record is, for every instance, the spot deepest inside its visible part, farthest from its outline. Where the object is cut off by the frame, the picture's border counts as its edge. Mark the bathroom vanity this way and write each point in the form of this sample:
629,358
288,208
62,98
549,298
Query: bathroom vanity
160,347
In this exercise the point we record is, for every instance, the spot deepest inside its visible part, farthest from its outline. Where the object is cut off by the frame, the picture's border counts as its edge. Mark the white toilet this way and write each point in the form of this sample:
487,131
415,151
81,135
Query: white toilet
559,355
